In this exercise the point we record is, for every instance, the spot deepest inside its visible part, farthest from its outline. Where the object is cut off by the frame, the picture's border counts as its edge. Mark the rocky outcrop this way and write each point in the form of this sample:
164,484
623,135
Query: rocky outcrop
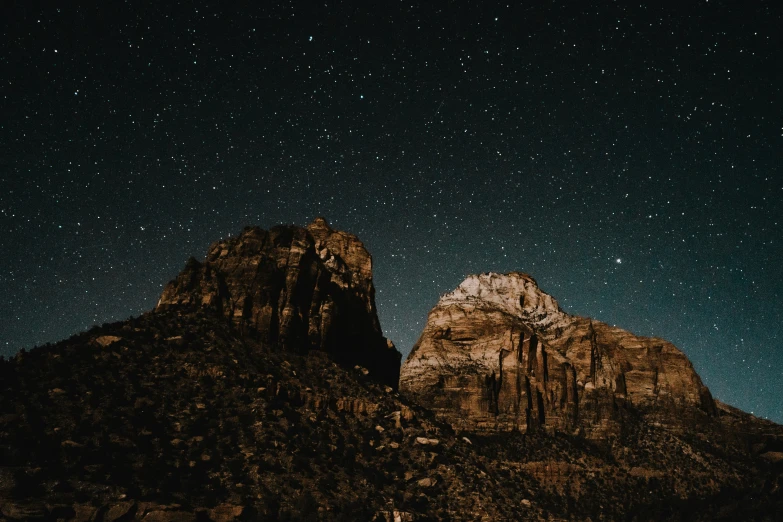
498,353
300,288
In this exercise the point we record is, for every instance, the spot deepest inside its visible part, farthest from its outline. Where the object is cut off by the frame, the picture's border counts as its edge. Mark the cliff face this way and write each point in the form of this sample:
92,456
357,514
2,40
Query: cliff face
497,353
302,288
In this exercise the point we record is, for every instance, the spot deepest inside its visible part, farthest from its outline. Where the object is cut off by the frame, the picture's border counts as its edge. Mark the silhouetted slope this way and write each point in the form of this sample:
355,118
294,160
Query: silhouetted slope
180,409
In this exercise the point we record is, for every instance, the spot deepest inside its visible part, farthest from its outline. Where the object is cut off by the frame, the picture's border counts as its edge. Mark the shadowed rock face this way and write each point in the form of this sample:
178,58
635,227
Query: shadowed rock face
497,353
302,288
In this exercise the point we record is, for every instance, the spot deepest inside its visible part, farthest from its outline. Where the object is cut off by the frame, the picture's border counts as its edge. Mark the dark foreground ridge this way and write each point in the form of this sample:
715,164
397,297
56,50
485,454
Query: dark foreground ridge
261,388
179,417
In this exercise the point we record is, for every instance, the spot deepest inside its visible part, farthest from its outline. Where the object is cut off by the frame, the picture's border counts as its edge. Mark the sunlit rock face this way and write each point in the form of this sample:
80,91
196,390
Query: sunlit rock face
301,288
498,353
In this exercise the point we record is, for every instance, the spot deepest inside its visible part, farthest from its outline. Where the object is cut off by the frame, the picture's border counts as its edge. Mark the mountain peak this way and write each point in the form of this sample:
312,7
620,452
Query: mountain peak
319,223
300,288
513,292
498,353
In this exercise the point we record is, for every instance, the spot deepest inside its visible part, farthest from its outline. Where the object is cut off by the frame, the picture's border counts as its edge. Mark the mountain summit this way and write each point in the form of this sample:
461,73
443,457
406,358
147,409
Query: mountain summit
498,353
301,288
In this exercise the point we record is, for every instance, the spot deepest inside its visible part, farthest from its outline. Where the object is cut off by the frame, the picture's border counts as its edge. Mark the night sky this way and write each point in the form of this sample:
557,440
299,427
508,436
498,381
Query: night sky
627,157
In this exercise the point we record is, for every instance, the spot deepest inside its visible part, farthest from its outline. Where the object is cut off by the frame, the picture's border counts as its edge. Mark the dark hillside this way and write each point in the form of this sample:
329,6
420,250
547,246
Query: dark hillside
179,414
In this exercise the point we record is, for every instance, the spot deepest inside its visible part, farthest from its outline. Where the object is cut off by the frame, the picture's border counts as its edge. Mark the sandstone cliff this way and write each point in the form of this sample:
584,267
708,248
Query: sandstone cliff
498,353
300,288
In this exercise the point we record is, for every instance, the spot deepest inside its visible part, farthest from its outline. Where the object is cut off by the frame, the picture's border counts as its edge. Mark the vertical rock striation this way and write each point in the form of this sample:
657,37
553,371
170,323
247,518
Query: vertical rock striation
301,288
497,353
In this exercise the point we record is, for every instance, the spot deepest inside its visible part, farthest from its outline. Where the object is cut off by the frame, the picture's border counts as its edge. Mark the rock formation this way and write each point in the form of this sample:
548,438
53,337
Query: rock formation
301,288
498,353
222,404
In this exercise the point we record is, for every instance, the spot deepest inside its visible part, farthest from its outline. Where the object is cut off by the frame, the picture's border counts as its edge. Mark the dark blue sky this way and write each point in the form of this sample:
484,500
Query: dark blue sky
627,157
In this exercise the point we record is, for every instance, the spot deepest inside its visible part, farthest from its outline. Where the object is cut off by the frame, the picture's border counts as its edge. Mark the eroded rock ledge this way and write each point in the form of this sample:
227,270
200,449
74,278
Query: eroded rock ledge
498,353
301,288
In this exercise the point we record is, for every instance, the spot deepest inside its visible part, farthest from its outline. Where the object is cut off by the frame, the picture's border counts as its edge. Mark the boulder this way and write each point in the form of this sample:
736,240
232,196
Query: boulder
226,512
427,482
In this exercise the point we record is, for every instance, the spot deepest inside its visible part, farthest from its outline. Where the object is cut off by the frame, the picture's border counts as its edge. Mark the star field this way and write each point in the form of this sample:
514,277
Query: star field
627,157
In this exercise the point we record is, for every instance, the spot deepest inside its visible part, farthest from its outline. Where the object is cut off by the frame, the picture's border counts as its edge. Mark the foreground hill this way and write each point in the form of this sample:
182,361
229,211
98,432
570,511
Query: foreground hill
261,388
169,417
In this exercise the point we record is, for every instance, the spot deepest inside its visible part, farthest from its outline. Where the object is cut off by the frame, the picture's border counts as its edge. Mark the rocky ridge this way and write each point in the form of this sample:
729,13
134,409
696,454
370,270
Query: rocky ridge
498,353
182,417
